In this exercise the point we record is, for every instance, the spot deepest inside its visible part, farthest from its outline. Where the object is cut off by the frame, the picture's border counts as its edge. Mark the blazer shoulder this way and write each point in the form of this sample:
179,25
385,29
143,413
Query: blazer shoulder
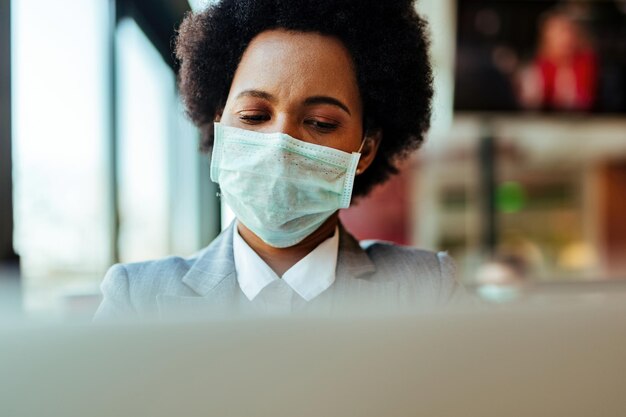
433,270
127,288
435,262
158,269
158,276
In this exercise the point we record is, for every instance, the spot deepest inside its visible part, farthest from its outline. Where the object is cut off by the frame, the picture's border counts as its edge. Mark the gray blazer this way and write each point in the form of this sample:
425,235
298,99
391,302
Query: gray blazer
205,283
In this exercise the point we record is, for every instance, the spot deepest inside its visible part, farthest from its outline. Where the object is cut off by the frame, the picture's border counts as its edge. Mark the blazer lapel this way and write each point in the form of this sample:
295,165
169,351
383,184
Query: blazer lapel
212,277
215,264
352,260
356,283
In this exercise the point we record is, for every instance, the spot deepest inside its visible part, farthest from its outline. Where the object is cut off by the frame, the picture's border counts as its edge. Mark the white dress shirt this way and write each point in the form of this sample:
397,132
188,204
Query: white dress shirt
305,280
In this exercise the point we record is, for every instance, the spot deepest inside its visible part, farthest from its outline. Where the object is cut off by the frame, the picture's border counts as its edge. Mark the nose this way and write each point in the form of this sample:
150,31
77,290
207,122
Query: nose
288,124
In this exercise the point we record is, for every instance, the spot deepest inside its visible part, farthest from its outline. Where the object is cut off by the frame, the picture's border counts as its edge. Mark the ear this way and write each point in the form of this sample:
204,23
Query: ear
370,148
218,115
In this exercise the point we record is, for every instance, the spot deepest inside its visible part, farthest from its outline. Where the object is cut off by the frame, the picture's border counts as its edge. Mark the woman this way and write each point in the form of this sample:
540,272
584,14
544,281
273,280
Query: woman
304,104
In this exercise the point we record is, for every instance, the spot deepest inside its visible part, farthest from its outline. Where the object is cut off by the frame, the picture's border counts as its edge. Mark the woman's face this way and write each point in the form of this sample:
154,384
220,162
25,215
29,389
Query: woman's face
301,84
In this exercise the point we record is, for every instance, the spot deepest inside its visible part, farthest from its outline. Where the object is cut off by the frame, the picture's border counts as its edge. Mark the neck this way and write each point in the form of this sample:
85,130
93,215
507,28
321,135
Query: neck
281,259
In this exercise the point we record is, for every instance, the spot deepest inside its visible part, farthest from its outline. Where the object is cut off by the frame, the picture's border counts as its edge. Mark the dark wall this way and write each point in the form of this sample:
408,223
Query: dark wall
6,179
159,20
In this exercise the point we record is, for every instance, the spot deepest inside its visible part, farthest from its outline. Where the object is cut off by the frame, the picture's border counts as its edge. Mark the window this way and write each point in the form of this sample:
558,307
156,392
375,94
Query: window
59,150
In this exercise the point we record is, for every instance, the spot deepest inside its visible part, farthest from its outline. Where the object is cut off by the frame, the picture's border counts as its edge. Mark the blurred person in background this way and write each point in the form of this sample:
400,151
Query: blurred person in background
503,278
564,72
304,105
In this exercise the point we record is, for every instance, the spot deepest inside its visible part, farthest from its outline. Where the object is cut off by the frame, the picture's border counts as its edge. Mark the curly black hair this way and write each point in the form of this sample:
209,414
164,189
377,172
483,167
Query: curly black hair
387,40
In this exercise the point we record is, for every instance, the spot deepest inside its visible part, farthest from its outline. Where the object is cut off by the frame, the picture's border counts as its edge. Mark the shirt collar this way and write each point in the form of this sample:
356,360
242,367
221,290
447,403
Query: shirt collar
312,275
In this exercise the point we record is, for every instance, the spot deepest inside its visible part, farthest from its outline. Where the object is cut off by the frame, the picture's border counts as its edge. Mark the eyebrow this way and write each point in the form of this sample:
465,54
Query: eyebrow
257,94
327,100
310,101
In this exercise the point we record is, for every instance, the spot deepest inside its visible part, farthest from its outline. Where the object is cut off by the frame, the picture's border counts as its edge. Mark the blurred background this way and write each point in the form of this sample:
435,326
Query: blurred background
522,179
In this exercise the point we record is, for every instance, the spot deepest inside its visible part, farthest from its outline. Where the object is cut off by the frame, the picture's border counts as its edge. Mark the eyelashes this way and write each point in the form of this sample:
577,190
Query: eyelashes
253,118
258,118
325,127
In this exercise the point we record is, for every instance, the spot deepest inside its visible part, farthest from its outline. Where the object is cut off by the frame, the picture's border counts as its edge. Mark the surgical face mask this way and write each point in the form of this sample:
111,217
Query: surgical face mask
280,188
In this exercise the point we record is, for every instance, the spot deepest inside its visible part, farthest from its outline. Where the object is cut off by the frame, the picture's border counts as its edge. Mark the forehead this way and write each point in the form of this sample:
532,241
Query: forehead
292,64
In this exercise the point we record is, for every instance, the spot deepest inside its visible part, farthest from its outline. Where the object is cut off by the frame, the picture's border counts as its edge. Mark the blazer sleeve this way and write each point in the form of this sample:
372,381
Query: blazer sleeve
450,289
116,302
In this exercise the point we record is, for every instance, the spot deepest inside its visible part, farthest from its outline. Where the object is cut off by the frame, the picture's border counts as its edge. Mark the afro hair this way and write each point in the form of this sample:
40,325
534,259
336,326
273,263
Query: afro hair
387,40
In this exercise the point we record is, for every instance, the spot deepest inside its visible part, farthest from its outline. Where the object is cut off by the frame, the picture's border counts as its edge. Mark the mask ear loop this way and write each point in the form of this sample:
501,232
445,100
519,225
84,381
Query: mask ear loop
365,139
362,143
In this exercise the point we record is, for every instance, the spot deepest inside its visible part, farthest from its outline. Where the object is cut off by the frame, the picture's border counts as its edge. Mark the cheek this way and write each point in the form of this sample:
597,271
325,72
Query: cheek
349,140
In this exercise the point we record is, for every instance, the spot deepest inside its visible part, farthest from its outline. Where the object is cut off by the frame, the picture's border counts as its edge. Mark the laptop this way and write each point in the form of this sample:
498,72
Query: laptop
563,360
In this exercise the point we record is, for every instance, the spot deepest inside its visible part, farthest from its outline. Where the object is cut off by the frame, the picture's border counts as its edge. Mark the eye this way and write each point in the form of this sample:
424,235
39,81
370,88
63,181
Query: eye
322,126
253,117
